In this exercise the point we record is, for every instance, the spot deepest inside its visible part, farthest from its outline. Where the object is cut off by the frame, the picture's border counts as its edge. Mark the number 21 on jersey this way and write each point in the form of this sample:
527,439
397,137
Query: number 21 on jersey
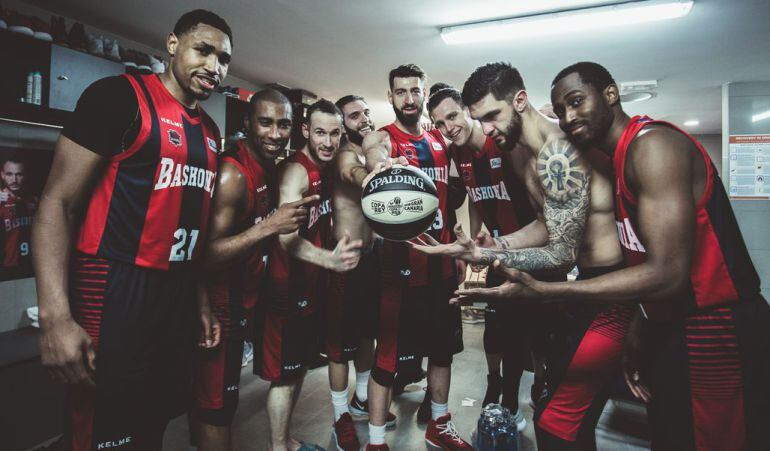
184,245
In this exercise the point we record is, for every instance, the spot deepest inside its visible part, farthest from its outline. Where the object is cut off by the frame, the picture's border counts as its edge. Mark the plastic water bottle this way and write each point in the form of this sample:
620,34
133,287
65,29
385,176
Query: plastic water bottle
37,88
496,430
30,87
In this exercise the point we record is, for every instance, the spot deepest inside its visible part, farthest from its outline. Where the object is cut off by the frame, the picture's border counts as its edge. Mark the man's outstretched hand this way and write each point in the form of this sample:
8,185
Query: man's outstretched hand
463,248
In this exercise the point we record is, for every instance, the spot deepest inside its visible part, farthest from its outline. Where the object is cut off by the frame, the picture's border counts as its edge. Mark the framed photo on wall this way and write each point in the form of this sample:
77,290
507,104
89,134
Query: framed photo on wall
23,173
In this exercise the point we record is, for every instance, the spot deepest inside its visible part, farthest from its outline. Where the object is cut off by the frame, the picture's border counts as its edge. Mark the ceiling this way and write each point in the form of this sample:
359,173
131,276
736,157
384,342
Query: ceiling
337,47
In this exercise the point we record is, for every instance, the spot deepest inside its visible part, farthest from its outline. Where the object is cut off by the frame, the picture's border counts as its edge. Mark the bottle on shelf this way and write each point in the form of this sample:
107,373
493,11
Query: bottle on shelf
28,97
37,91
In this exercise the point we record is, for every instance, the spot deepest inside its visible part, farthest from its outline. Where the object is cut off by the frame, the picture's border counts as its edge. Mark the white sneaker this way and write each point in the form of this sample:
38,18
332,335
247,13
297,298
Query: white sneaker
520,421
248,353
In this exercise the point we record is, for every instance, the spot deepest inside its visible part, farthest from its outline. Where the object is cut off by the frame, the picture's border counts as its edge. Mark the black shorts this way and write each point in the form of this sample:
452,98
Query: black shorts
144,326
709,375
351,307
284,344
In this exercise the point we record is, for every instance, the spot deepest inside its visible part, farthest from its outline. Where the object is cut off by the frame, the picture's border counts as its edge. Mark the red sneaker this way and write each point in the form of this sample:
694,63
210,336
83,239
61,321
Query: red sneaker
442,434
344,434
383,447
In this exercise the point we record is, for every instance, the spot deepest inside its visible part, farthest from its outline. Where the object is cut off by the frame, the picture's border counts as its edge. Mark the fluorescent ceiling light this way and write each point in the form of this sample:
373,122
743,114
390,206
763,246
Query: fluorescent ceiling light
635,97
567,21
691,123
760,116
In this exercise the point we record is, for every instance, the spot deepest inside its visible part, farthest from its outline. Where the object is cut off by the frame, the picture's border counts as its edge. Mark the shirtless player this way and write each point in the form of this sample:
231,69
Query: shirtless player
579,228
705,331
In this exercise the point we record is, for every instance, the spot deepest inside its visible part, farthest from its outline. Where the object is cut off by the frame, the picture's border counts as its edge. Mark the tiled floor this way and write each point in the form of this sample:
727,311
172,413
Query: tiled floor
621,427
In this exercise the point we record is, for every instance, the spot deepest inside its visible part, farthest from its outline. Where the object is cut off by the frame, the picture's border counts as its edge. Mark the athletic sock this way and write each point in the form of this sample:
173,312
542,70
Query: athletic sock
376,434
438,410
362,382
340,403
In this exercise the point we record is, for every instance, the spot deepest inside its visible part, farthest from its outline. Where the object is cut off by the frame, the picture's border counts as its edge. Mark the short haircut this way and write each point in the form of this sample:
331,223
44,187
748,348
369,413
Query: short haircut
499,79
441,91
347,99
590,73
405,71
267,95
14,156
322,106
190,20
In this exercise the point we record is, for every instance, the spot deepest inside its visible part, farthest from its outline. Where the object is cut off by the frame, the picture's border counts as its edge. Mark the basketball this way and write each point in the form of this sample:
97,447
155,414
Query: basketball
400,203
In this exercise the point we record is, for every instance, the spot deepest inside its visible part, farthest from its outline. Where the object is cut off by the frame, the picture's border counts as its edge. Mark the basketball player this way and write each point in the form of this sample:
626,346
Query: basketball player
498,198
118,312
705,327
415,317
243,218
288,315
579,228
16,211
353,296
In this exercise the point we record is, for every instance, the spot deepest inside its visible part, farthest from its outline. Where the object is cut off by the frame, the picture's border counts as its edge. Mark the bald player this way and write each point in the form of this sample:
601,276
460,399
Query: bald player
578,227
244,216
288,315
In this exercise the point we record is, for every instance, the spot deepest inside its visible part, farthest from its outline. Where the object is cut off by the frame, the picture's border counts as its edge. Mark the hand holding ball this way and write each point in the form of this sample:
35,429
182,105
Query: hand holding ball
400,203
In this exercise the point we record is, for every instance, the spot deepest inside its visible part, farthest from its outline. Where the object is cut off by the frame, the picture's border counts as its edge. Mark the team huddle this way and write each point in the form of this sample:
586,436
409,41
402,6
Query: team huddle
150,240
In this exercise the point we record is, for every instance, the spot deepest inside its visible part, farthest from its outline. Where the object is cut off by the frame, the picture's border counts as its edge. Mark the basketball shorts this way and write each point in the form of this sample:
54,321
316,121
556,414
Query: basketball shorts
580,375
285,344
218,372
350,307
144,326
414,321
708,375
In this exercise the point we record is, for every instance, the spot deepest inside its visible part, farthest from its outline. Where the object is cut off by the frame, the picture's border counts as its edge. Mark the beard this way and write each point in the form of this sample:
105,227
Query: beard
355,137
408,119
512,132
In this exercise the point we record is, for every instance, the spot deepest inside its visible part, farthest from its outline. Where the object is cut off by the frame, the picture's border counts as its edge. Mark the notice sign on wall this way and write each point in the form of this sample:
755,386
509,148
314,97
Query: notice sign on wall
749,166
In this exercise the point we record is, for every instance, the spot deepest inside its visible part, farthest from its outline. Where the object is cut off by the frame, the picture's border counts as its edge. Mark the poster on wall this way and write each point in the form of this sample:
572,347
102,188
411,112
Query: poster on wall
749,166
23,173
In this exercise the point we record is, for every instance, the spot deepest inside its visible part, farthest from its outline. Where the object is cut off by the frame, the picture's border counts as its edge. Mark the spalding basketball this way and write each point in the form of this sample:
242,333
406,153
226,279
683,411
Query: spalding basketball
400,203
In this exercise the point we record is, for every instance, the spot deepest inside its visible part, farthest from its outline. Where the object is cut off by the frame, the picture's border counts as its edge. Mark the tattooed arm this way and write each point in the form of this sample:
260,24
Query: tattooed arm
565,178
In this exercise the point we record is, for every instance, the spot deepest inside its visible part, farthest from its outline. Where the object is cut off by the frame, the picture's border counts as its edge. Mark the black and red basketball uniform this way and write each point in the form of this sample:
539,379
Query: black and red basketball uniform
233,295
709,359
151,205
415,317
291,294
130,279
16,215
497,195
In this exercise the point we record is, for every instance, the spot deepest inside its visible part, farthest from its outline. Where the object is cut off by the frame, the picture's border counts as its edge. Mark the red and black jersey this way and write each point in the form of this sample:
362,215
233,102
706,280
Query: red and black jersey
239,284
429,153
497,195
721,270
150,207
293,286
16,215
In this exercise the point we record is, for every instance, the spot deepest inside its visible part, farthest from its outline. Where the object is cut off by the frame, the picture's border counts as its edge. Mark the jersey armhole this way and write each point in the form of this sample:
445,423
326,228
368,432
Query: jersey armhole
249,182
145,118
